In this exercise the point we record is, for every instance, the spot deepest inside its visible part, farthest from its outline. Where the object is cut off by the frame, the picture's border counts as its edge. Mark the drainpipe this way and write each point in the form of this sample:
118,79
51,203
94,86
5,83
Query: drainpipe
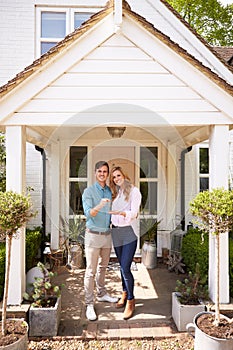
42,151
182,186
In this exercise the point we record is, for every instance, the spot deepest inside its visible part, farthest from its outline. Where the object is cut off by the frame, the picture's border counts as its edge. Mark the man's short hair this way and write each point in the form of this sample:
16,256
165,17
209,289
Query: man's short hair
101,163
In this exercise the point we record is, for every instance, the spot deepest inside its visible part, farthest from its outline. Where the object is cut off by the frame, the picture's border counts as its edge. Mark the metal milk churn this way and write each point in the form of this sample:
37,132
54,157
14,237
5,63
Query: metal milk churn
149,255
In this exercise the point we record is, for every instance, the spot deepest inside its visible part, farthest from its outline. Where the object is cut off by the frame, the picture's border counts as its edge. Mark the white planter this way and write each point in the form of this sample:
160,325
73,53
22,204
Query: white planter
184,314
21,344
44,321
204,341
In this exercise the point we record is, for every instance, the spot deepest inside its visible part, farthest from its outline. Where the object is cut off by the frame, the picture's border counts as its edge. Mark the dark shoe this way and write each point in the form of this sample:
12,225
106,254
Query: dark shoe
122,301
129,309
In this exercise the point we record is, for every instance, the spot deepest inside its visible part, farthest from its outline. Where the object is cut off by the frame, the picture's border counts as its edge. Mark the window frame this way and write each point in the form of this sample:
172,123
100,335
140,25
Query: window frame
72,179
70,11
201,175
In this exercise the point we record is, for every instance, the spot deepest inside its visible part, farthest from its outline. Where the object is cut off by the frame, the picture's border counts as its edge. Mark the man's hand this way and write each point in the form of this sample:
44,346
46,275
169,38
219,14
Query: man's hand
98,207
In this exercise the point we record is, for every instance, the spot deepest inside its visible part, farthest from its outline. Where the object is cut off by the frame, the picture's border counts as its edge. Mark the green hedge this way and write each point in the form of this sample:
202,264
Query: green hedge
195,250
33,243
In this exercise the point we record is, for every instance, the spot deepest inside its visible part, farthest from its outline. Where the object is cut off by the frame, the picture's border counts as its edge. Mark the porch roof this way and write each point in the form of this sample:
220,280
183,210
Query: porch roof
35,82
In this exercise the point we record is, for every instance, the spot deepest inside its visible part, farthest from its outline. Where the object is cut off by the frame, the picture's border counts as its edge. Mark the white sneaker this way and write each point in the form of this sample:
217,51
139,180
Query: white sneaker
90,313
108,298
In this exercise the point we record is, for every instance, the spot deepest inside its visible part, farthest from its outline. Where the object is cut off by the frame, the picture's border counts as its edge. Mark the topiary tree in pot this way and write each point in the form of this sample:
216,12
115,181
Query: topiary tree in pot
15,212
214,209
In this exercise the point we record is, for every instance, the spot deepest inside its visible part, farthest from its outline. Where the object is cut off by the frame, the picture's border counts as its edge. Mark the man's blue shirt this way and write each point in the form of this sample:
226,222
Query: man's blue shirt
91,197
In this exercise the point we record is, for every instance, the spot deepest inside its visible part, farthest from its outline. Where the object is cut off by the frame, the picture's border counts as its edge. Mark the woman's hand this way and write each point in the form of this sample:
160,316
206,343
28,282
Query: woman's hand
115,212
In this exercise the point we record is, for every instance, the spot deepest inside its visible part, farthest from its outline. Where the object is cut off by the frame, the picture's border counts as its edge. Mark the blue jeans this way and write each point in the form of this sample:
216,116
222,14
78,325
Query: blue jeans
125,244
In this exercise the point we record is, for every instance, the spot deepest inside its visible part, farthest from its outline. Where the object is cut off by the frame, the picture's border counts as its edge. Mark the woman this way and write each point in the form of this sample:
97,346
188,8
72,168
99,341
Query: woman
125,207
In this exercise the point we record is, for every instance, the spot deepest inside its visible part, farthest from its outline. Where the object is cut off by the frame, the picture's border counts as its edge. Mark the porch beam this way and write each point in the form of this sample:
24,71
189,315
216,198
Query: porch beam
218,159
15,181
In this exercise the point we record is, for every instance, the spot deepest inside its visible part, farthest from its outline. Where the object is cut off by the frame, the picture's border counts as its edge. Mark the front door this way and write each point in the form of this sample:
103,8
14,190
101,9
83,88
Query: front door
117,156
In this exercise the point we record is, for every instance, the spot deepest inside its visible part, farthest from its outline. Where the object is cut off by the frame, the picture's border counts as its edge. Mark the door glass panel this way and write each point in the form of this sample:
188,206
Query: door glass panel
149,191
148,162
76,191
78,162
53,24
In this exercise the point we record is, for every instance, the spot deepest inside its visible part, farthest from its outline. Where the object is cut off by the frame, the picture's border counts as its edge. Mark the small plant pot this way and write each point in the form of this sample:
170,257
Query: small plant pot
183,314
44,321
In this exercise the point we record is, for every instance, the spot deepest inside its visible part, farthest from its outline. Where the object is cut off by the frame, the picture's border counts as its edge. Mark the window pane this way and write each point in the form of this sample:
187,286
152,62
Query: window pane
148,162
78,161
53,24
149,193
80,18
204,183
45,46
204,161
76,191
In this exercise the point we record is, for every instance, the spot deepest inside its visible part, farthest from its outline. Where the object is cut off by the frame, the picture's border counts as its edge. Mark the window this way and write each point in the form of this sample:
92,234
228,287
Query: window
149,179
148,187
203,168
77,178
53,24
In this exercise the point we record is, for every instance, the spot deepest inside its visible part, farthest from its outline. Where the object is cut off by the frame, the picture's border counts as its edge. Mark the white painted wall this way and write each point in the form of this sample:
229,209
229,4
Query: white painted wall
16,38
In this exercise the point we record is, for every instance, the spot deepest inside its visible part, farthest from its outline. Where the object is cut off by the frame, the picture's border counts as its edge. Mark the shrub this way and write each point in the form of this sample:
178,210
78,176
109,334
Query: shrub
195,249
33,244
192,290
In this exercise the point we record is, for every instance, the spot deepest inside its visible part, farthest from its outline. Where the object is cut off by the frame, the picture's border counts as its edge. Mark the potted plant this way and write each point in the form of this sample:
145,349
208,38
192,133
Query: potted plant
214,210
148,227
74,230
189,298
45,309
15,212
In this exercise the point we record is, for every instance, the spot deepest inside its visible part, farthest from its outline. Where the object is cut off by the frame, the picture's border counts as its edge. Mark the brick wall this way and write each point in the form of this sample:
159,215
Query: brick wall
17,37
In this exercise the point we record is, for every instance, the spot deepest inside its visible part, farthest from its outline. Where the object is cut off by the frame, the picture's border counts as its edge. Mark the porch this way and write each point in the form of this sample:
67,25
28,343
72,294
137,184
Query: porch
152,318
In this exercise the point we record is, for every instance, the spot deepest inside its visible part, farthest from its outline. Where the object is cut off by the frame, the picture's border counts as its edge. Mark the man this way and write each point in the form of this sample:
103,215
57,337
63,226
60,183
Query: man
96,203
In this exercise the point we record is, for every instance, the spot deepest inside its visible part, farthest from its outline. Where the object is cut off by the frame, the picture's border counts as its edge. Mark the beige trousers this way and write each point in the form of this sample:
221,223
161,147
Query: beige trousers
97,251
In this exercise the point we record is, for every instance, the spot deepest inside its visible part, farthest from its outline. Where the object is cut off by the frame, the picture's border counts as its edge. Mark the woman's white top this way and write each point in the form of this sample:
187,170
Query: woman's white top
130,207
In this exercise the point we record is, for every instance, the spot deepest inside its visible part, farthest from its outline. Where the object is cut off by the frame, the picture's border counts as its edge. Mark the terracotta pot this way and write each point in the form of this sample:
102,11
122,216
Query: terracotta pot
204,341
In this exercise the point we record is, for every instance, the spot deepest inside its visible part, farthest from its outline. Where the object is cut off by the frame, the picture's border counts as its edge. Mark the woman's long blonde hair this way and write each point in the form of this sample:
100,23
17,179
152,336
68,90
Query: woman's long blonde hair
126,187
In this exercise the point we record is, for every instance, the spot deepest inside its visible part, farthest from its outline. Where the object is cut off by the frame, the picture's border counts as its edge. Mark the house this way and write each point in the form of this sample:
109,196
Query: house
133,85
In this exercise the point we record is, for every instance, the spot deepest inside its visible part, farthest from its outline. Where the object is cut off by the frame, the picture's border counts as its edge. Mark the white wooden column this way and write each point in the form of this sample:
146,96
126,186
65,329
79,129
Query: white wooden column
15,181
55,195
219,161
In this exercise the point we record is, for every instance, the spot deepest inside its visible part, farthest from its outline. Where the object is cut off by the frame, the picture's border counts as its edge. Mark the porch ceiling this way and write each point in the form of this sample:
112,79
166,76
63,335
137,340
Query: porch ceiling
180,135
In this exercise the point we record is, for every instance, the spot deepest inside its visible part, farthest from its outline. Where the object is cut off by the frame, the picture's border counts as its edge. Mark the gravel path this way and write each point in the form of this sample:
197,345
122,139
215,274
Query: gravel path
181,342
